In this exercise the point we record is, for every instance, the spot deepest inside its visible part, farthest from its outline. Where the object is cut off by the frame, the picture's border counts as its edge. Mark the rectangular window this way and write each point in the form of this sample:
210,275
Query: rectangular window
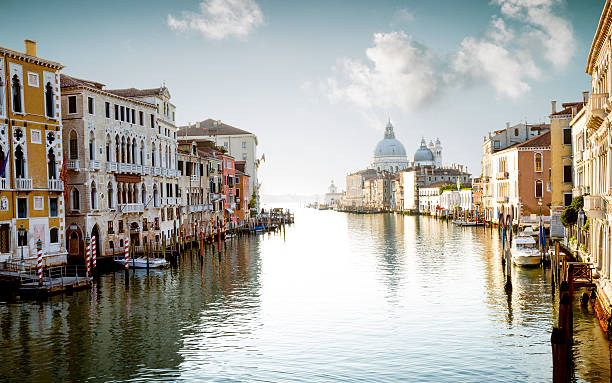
107,109
90,105
54,235
152,121
122,108
72,104
496,144
127,117
538,189
111,230
567,173
133,116
53,207
39,203
141,118
22,208
5,245
121,226
567,199
243,144
567,136
116,112
145,225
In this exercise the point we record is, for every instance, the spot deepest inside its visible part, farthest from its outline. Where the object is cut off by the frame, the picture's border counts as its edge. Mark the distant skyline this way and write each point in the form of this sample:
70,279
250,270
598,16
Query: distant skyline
316,81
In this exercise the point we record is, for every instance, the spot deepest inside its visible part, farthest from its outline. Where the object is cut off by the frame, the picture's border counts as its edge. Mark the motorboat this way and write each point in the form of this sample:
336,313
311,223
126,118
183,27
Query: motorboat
524,251
141,262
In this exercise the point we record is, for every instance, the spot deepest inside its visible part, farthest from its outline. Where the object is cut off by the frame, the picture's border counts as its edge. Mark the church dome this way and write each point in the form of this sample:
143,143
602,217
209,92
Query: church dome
389,146
423,154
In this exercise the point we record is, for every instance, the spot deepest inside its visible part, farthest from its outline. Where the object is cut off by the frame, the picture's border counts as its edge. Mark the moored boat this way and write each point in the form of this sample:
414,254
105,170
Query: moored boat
141,262
524,251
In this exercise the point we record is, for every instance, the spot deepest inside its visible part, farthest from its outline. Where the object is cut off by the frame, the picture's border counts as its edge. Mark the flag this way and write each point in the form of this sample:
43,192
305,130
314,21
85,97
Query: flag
4,167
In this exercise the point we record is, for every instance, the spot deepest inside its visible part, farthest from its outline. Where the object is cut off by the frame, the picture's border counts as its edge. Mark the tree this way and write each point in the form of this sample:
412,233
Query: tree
570,214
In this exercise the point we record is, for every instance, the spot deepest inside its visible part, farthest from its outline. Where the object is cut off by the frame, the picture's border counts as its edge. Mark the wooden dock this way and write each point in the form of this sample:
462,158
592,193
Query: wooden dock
55,279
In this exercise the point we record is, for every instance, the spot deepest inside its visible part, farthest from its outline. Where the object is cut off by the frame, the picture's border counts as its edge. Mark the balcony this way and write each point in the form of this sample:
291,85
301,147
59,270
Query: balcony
171,201
501,175
125,208
73,165
179,200
595,206
5,184
214,196
501,199
156,171
55,185
595,110
23,184
194,178
94,165
146,170
196,208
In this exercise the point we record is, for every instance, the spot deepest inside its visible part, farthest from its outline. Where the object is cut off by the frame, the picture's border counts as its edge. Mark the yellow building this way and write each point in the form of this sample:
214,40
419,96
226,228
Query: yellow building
561,153
31,192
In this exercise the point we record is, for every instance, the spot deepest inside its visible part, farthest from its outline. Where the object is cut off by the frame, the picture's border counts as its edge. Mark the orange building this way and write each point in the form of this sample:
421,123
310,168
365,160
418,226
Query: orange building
31,191
243,194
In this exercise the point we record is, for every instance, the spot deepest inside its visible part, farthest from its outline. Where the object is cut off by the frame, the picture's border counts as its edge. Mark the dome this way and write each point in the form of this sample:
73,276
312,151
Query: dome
423,154
389,146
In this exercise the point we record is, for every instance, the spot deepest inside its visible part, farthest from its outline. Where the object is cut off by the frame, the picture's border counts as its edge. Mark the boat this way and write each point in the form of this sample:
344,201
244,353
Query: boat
472,223
524,251
141,262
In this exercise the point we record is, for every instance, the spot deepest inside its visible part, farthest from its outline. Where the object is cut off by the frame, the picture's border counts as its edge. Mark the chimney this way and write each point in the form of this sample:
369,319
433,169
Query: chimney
585,97
30,47
554,107
507,125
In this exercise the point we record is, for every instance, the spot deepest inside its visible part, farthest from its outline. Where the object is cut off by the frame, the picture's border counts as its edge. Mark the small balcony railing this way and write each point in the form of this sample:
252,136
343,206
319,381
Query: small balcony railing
111,166
194,178
94,165
126,208
23,183
501,199
73,165
4,184
594,206
501,175
55,185
596,110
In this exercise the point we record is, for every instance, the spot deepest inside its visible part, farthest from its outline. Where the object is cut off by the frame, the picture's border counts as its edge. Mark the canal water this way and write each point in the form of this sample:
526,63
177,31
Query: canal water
335,298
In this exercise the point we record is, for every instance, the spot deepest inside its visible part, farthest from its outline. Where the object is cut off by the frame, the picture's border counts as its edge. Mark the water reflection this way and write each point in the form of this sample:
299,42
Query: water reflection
337,297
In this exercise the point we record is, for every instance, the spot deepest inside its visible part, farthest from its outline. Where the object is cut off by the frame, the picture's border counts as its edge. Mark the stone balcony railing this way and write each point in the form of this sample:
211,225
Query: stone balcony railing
23,184
73,165
501,199
595,110
5,184
55,185
125,208
94,165
194,178
595,206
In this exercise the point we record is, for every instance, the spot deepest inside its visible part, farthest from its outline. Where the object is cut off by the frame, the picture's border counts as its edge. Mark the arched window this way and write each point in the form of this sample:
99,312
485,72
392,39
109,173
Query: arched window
134,151
51,165
144,194
92,146
74,146
1,95
94,196
110,196
19,163
155,196
153,155
54,235
516,131
17,107
76,200
49,102
117,149
142,152
538,162
538,189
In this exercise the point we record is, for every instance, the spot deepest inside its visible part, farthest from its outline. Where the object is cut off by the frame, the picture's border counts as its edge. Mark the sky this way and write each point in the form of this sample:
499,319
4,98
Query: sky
316,81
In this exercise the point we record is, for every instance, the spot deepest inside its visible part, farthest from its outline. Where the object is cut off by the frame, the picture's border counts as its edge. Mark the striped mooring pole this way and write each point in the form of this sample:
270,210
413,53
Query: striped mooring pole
93,253
39,266
127,254
88,255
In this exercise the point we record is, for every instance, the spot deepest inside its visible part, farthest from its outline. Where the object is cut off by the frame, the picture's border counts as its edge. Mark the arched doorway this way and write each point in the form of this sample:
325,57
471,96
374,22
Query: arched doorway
134,234
76,245
95,232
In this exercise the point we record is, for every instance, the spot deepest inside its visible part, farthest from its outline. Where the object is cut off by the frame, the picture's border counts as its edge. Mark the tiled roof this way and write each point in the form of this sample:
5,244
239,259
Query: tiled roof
28,58
209,128
438,184
133,92
567,108
69,81
535,142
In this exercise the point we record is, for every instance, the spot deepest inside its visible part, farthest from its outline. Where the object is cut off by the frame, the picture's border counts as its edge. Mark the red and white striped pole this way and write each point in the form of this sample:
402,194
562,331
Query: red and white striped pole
201,243
127,254
93,252
88,256
39,265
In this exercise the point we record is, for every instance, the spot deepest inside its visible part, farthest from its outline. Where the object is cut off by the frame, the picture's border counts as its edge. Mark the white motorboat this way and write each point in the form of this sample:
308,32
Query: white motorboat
141,262
524,251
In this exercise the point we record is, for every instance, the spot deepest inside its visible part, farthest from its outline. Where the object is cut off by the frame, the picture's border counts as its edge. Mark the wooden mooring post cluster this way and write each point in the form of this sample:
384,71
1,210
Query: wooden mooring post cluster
32,280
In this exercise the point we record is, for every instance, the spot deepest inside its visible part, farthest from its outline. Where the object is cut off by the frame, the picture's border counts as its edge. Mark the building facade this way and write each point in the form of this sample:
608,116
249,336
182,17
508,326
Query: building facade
31,158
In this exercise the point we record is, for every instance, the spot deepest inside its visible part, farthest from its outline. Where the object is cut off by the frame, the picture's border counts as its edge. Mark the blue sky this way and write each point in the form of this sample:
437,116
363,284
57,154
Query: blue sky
317,80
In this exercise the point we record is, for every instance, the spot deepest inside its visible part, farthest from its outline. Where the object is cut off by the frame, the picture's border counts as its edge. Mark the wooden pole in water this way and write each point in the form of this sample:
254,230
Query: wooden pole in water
560,348
508,270
127,260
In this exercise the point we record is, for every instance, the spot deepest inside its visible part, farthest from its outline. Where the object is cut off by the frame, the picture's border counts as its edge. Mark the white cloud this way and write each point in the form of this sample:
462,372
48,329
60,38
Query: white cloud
219,19
400,73
553,32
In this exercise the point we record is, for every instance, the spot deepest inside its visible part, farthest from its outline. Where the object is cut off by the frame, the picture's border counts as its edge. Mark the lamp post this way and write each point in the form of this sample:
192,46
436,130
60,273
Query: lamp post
22,239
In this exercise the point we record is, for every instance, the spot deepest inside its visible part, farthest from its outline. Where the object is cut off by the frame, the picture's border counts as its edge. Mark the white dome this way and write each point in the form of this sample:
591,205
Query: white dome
389,154
423,155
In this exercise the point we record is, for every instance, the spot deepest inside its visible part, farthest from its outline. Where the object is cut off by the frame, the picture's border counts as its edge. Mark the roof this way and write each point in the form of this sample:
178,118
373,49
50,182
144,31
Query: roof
73,82
438,184
210,127
133,92
536,142
567,108
364,172
28,58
